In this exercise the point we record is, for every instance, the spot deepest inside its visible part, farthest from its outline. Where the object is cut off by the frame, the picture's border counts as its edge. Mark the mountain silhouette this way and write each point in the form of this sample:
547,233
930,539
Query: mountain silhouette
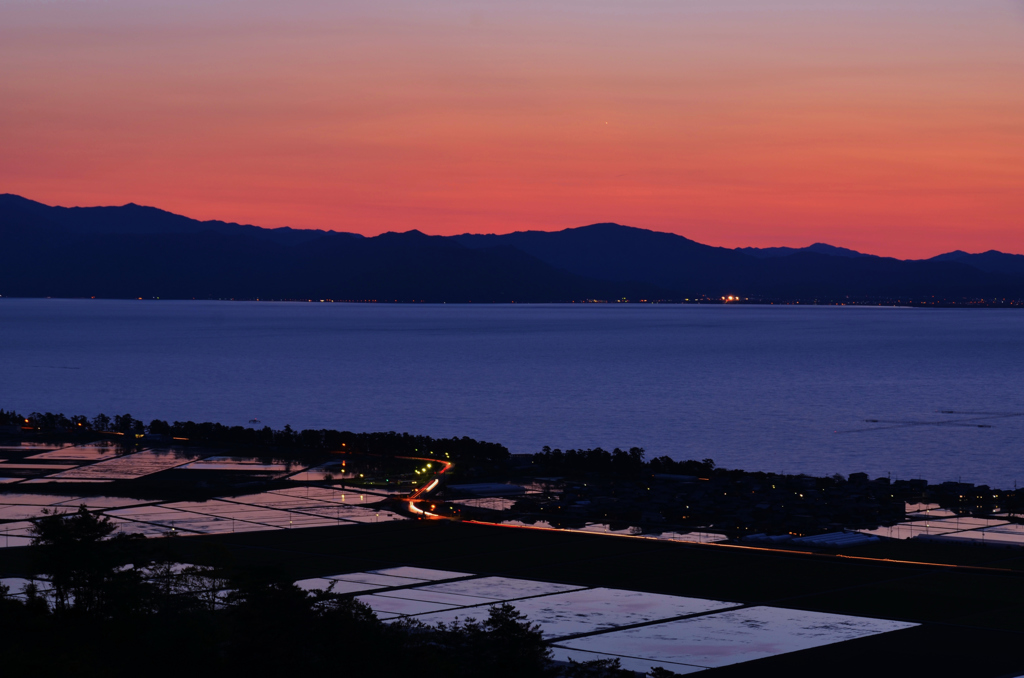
823,272
132,251
818,247
135,251
991,261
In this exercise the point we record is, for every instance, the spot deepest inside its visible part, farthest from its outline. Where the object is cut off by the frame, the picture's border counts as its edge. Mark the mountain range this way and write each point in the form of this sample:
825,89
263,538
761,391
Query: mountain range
134,251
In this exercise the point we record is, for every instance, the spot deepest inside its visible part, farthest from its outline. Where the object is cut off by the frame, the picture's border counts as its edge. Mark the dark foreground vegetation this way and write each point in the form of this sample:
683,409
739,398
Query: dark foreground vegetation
125,606
970,614
117,607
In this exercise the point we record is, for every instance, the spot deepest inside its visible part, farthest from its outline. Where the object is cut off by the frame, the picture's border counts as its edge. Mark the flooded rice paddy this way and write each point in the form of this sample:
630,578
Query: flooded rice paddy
724,638
642,630
227,463
341,495
287,508
129,466
931,523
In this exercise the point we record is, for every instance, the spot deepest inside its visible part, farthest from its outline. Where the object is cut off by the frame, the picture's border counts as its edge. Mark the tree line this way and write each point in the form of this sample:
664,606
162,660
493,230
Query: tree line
286,443
618,462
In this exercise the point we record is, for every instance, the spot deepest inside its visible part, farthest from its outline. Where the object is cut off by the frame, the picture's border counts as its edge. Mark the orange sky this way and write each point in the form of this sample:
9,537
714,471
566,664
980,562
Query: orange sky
895,128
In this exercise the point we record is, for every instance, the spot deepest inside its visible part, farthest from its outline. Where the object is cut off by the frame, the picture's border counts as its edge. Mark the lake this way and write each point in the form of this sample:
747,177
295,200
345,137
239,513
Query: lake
925,393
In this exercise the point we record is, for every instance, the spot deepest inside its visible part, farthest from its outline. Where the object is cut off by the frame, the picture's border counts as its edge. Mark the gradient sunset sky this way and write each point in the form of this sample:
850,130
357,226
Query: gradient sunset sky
894,127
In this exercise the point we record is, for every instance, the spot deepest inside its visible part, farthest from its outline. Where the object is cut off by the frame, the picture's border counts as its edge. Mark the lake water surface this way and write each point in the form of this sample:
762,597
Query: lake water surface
787,389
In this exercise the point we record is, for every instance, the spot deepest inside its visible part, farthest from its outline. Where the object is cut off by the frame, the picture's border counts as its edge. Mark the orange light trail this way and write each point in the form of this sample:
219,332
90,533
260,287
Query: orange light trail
763,549
414,496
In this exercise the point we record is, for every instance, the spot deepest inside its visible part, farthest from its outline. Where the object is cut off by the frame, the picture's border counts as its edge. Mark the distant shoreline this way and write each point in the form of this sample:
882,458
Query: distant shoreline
969,303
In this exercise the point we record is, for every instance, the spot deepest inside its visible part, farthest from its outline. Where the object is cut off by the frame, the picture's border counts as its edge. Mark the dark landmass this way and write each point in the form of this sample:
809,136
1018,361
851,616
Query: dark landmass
124,605
991,261
692,270
382,455
147,253
966,600
119,606
818,247
143,252
619,489
573,488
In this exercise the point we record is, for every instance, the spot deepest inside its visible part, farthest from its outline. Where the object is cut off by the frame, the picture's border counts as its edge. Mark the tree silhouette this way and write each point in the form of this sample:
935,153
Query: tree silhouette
86,573
598,668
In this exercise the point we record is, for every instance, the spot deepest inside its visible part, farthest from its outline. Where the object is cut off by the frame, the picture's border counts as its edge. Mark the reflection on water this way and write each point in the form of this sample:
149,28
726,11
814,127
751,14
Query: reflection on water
680,634
333,470
130,466
724,638
295,507
227,463
94,452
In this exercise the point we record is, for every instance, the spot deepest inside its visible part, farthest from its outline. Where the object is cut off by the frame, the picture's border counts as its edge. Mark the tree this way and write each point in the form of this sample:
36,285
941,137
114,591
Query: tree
505,645
11,418
513,646
598,668
124,423
86,573
159,427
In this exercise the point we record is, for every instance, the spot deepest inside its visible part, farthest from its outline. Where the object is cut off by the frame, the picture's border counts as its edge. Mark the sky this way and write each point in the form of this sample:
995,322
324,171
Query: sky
894,127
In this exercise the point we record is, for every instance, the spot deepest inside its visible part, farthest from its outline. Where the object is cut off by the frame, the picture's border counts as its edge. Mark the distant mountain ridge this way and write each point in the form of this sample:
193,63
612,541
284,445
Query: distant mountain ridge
670,261
818,247
132,219
990,261
134,251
